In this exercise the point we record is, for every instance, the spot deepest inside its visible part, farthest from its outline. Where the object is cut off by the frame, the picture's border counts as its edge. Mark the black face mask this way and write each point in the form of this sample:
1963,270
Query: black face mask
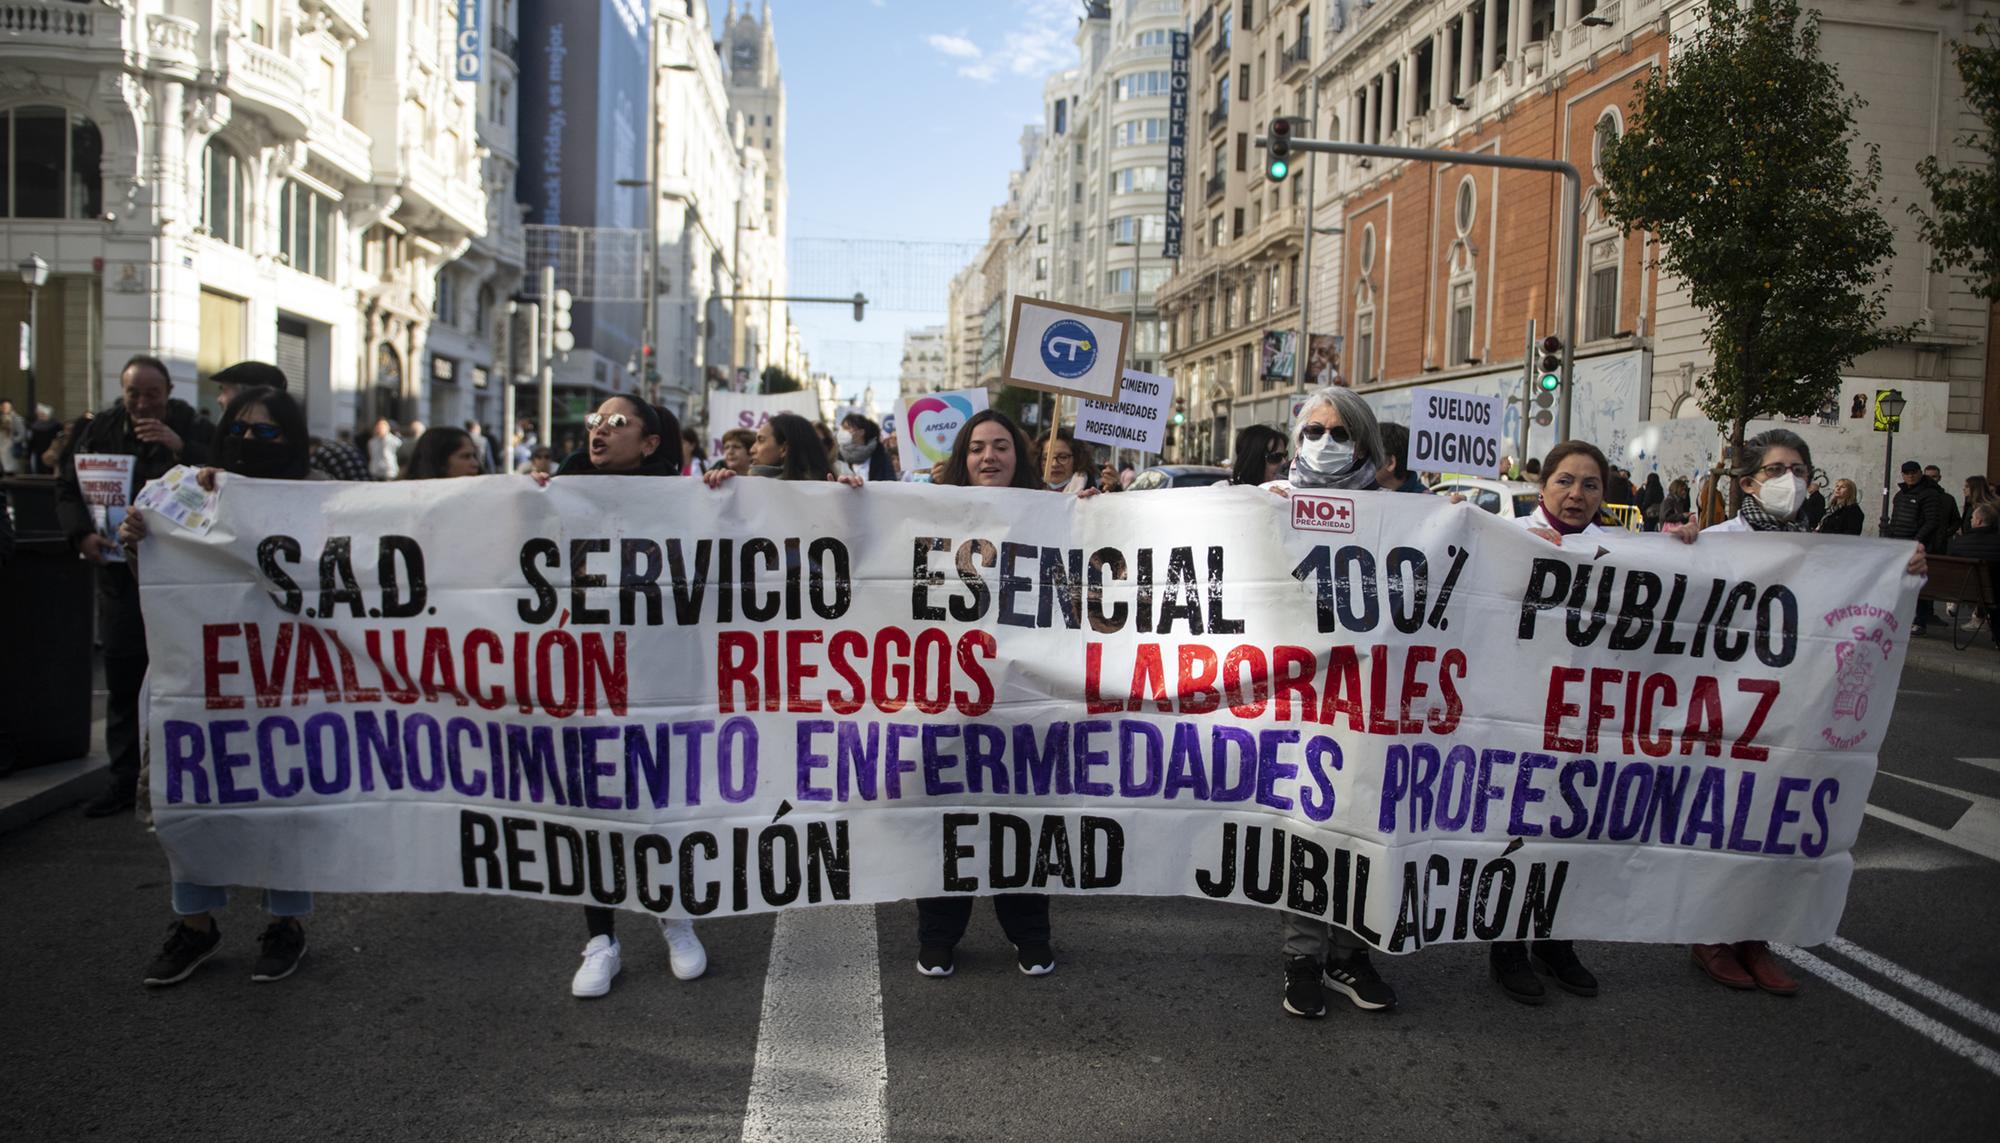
265,460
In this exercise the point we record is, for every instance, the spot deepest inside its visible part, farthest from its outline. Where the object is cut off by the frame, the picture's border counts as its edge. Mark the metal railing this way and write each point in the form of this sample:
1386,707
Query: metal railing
1218,117
1217,183
1298,55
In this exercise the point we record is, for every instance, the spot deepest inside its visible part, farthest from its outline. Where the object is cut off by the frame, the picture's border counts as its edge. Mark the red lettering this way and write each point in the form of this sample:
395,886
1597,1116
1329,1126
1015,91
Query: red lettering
480,638
604,673
797,671
1149,680
1659,689
840,651
1766,691
1412,689
1453,663
982,694
736,670
214,666
1704,719
1198,672
268,679
1600,711
1292,670
1233,665
1558,709
1343,688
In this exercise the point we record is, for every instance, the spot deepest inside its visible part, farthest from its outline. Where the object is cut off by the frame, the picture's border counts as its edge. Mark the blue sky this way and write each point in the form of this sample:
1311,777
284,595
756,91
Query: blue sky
906,117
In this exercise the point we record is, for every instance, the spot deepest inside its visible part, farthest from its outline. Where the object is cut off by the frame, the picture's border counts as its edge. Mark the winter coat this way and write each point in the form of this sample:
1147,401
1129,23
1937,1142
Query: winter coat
1842,520
1920,512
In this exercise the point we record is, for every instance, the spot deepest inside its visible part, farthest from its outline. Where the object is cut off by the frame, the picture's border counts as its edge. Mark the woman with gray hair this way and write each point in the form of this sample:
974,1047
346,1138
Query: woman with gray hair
1335,444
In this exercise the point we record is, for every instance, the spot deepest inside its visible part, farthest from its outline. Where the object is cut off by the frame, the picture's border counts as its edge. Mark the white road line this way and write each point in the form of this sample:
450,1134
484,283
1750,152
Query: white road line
1952,1041
1964,1008
822,1072
1992,764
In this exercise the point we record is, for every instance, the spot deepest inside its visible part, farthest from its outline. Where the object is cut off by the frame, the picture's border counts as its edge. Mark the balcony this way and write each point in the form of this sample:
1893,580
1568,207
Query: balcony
172,46
1218,51
1295,57
266,82
67,28
342,145
430,181
507,44
1218,117
1202,23
1217,183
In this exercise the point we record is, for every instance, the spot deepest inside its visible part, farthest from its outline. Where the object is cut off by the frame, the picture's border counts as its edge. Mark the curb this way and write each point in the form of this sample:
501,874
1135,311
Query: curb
1934,653
27,796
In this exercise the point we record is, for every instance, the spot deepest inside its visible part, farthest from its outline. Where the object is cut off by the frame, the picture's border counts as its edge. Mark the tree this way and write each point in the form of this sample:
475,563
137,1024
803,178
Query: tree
776,380
1965,230
1741,158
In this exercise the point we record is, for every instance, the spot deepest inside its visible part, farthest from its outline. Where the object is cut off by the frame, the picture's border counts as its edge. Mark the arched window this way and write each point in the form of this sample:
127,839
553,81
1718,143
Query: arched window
49,161
223,195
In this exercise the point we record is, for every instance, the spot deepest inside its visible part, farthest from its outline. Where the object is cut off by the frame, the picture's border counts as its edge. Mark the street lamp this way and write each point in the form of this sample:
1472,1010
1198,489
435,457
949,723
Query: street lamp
1889,406
34,275
651,318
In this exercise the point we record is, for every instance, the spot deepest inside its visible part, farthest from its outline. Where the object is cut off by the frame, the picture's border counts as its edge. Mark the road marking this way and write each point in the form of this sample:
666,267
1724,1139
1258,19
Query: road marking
1947,1038
1992,764
822,1071
1976,831
1965,1008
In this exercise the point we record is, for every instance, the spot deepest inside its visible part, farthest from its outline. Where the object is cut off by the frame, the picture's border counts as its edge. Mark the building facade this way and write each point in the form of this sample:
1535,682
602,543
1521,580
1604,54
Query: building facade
924,367
279,179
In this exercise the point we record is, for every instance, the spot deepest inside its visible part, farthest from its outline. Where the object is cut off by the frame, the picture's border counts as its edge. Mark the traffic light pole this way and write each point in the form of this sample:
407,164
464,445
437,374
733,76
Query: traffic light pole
1302,352
1527,393
1568,268
546,375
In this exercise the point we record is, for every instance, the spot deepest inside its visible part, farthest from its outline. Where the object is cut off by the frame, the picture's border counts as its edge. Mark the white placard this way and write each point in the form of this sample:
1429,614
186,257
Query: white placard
1138,419
727,410
1066,349
1455,432
926,425
105,480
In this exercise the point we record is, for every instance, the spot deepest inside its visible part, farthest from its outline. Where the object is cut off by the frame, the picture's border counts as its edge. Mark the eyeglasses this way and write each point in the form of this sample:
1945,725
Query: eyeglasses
1275,457
262,430
1313,432
615,420
1774,471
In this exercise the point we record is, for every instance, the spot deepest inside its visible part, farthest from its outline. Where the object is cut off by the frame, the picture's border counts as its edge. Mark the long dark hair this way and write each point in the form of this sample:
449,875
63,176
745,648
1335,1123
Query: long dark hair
880,467
805,456
1083,458
958,469
1253,444
286,414
432,456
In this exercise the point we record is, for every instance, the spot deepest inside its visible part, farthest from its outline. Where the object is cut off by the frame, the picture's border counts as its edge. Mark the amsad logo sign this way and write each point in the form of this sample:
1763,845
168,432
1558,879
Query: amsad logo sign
934,422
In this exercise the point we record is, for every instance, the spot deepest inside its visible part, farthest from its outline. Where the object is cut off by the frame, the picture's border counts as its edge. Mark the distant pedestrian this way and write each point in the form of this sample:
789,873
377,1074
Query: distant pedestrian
1814,509
1392,475
1921,511
1260,456
42,434
1651,497
736,446
694,458
1975,491
407,451
383,450
489,449
862,449
13,440
444,453
1844,518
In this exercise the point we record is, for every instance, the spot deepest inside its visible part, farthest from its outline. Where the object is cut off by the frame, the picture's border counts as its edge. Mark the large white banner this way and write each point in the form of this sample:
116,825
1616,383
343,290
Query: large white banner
1397,714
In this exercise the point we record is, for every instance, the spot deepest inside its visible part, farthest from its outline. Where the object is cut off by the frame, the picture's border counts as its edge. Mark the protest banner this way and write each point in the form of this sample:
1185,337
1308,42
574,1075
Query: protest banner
105,480
926,426
1138,419
1455,432
1067,349
1400,715
727,410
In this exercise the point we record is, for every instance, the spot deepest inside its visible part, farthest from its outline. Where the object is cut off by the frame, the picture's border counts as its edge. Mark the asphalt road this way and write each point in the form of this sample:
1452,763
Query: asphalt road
449,1017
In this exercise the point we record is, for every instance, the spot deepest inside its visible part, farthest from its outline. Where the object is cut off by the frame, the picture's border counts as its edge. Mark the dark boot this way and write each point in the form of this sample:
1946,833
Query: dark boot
1558,960
1515,976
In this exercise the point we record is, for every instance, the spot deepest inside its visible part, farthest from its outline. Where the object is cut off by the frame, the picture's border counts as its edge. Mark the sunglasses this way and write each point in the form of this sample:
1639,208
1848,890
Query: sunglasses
262,430
1275,457
615,420
1315,431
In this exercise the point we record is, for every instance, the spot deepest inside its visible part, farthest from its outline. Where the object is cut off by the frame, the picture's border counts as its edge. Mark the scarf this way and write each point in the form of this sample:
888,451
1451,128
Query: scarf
1760,519
1358,476
857,454
1556,522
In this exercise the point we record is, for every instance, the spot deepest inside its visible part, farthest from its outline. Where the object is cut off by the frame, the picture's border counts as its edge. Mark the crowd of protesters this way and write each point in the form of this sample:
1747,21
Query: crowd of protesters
1336,442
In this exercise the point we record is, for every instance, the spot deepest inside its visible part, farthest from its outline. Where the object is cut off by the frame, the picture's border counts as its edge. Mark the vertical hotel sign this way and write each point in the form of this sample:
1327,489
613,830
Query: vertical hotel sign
1177,109
469,42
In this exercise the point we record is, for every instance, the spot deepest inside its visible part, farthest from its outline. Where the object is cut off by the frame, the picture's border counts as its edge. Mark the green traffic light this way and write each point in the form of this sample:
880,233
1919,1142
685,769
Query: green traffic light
1550,382
1279,169
1180,418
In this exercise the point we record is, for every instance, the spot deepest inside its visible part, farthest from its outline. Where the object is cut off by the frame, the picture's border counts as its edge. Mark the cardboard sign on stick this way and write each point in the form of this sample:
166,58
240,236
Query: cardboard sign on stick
1067,349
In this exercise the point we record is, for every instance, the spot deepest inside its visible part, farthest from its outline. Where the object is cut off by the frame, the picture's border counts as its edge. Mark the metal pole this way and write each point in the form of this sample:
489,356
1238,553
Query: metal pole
736,288
647,370
1528,372
1569,270
1301,353
1888,469
546,373
34,343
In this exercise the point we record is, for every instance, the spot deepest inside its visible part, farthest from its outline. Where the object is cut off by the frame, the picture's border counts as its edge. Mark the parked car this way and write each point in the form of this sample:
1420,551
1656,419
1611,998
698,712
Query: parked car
1503,498
1178,476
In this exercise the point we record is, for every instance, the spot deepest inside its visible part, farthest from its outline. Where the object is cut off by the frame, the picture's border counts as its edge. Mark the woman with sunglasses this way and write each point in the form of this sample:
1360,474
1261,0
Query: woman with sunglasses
1259,456
628,437
443,453
262,435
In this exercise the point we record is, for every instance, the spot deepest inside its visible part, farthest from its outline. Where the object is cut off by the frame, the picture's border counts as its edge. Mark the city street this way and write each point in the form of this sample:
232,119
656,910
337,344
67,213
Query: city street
449,1017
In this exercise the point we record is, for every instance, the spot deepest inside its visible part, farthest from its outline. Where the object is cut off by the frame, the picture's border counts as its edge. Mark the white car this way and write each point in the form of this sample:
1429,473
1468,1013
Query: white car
1503,498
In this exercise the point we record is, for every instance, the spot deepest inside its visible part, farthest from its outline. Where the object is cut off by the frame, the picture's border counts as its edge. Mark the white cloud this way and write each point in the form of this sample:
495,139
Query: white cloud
1043,41
983,72
957,47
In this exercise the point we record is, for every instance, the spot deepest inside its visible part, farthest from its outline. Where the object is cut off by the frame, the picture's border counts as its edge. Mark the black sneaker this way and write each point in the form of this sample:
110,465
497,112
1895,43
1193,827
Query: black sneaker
934,960
1558,959
1303,995
1357,979
1036,958
184,951
1515,976
117,798
279,951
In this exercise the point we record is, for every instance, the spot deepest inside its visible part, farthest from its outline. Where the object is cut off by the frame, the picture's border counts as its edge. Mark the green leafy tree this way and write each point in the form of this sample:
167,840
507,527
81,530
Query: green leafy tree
1739,158
1965,228
777,380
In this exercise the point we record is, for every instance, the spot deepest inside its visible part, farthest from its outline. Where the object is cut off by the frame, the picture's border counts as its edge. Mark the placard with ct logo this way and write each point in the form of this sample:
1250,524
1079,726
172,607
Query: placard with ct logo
1067,349
1454,432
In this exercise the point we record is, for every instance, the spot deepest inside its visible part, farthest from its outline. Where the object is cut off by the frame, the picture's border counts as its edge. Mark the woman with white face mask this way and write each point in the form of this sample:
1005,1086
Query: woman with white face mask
1336,443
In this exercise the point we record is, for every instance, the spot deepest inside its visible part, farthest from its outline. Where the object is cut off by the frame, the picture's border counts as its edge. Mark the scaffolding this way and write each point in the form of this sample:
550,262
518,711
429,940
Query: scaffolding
897,275
594,263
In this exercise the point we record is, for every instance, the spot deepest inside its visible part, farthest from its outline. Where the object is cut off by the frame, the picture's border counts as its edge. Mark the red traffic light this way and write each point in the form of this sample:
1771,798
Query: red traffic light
1552,344
1281,126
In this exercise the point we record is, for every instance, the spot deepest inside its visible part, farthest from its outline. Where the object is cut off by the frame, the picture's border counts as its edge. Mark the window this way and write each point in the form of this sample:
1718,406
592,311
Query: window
1118,281
1229,308
222,201
1222,92
502,92
1458,350
1601,320
1607,131
445,308
49,164
1250,298
1236,223
1367,258
1152,278
1076,232
1243,82
305,230
1138,85
1137,132
222,326
1223,27
1157,37
1137,180
1041,232
767,119
1292,289
1216,236
1364,348
1132,229
482,314
1462,209
1076,192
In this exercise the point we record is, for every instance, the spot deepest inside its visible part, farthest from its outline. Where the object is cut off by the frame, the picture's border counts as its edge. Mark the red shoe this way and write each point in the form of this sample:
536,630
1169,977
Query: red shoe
1756,958
1721,965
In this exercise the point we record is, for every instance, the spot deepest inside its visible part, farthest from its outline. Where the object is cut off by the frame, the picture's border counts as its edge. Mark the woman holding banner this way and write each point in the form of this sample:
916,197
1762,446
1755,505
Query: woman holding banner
628,437
442,453
990,451
862,449
1771,473
1335,444
1066,464
263,435
786,448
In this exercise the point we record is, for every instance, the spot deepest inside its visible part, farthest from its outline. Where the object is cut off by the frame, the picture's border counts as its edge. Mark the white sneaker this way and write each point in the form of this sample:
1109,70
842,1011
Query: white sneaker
600,964
683,947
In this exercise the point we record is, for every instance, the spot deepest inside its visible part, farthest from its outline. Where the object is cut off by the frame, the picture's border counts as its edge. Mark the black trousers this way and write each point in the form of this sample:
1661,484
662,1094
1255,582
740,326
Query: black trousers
1024,917
124,677
600,921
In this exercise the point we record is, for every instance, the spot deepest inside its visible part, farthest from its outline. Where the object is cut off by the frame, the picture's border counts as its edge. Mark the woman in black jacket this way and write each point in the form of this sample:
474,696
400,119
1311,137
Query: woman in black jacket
1844,518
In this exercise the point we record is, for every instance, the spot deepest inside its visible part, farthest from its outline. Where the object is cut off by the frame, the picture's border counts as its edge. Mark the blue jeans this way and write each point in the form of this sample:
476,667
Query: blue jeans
192,900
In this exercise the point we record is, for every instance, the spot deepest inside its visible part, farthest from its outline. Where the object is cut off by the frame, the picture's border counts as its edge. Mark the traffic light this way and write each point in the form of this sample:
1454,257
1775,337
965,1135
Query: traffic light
1552,364
649,368
1180,410
860,303
559,320
1278,145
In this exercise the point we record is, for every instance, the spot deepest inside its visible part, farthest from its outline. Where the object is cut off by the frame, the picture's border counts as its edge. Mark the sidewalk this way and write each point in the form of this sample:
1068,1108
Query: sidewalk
1933,652
27,796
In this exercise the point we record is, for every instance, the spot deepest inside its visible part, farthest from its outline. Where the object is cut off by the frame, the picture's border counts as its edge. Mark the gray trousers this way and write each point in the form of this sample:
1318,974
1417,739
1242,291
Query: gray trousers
1317,939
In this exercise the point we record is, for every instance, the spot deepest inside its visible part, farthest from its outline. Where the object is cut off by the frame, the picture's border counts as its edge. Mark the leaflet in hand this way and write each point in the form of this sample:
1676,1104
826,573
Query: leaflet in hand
176,496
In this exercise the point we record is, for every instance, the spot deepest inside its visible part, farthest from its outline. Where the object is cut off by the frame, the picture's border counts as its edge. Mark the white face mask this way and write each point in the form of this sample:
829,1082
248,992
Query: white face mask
1781,497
